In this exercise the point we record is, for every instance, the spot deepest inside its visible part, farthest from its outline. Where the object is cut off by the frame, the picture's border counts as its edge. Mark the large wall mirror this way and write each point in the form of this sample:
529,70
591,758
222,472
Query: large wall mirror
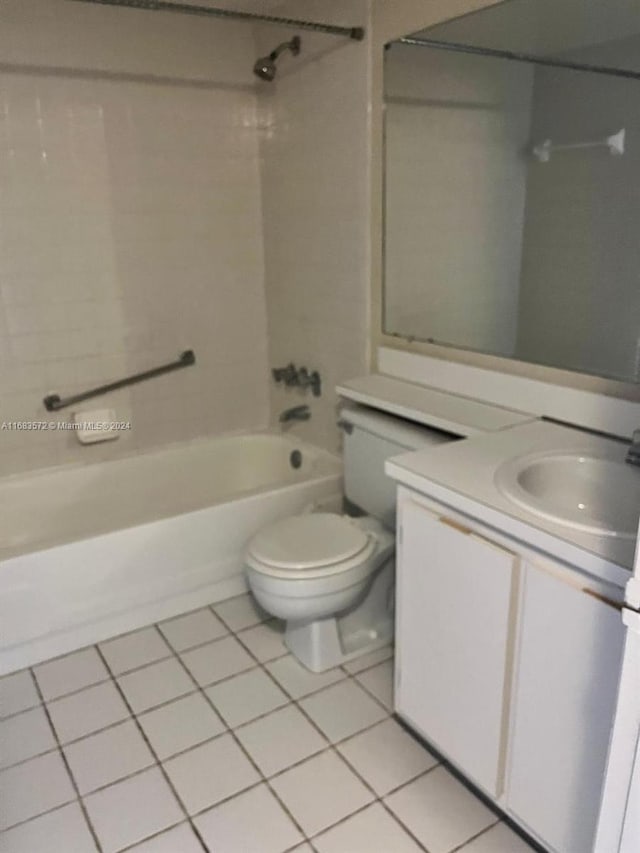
512,185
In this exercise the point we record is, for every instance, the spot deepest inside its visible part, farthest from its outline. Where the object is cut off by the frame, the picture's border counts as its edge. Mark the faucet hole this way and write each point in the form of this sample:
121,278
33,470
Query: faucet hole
295,459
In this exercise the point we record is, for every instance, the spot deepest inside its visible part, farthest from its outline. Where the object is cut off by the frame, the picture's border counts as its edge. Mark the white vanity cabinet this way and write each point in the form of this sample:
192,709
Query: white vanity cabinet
456,600
567,667
507,662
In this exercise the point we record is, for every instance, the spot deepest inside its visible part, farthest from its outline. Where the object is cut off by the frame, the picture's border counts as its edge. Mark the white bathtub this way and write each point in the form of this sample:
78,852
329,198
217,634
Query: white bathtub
92,551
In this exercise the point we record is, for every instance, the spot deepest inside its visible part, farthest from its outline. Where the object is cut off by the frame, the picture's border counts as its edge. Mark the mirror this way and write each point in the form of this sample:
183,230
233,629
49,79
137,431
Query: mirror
512,185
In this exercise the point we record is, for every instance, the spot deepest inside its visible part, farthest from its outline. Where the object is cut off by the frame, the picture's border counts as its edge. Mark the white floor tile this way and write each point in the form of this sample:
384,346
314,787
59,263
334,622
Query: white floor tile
34,787
240,612
193,629
62,830
265,641
73,672
180,839
342,710
87,711
24,736
320,792
280,739
132,810
180,725
217,660
108,756
365,661
253,822
132,651
17,693
155,684
499,839
386,756
372,830
439,811
210,773
245,697
379,681
297,680
303,848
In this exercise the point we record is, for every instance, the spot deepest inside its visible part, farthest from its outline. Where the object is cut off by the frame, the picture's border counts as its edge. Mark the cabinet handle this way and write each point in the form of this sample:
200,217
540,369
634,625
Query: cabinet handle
617,605
456,525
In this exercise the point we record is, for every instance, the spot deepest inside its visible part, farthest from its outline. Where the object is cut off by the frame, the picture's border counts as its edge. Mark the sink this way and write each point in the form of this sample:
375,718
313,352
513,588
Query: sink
595,494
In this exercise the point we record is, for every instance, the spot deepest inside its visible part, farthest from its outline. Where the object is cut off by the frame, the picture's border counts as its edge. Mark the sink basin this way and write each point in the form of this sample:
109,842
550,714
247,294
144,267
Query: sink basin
592,493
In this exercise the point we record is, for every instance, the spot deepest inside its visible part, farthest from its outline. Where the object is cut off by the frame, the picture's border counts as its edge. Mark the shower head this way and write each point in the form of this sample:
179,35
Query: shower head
265,67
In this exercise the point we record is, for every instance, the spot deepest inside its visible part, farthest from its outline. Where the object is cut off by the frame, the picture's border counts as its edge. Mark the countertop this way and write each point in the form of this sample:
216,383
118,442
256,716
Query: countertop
461,475
452,413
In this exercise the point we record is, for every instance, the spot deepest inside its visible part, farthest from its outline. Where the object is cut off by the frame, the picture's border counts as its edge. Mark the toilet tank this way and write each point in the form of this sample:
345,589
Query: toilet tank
370,438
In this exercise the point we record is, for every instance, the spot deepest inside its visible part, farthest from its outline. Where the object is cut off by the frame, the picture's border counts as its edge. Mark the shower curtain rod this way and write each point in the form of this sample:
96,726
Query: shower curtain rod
356,33
516,57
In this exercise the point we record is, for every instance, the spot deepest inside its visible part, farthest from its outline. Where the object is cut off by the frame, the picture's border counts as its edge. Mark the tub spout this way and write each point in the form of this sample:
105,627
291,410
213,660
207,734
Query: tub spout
297,413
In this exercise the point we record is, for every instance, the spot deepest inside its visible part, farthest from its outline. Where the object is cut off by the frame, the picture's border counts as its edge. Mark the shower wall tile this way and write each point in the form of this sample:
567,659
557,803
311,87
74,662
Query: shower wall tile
130,228
315,170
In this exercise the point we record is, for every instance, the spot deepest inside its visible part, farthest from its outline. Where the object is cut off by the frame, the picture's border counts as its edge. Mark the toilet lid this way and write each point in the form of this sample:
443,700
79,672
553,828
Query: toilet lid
308,541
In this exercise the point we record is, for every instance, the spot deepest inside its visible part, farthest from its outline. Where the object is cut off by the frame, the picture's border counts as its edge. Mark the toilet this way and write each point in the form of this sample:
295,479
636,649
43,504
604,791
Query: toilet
330,577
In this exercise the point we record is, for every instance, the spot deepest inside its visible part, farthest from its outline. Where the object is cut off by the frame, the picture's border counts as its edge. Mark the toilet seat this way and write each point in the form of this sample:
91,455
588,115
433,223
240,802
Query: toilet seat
310,546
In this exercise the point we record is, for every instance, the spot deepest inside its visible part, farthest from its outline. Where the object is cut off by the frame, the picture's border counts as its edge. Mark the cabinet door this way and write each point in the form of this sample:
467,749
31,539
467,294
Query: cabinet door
570,647
455,615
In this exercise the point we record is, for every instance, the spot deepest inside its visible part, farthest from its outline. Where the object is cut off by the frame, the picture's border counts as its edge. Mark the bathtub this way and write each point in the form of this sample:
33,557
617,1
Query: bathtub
91,551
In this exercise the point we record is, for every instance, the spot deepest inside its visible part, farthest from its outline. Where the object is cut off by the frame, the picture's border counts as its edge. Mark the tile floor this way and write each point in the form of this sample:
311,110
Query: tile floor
202,733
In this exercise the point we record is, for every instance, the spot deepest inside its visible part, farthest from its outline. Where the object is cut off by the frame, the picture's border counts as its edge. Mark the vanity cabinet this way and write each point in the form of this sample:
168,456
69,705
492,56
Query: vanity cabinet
456,600
567,670
507,662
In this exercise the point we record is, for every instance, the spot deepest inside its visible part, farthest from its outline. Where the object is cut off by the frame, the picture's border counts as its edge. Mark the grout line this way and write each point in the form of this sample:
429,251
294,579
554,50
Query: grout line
8,717
65,743
34,683
116,675
104,680
172,649
153,753
368,666
42,814
159,833
462,846
247,755
332,746
227,625
69,773
402,825
29,758
270,787
292,702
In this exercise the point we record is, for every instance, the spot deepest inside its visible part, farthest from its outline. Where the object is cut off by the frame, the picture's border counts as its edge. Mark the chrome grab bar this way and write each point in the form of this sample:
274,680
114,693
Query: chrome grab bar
53,402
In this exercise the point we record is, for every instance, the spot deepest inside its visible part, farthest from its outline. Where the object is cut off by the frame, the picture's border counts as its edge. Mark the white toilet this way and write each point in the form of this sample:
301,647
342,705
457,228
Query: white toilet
330,576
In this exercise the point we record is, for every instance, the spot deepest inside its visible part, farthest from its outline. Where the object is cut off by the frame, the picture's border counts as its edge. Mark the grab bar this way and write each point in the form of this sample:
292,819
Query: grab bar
53,402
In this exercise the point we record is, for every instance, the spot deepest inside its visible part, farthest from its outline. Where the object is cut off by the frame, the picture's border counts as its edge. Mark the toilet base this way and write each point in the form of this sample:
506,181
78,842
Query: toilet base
322,644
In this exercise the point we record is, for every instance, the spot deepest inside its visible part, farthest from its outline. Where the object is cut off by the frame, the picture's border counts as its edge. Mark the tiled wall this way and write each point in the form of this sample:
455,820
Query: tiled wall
315,152
581,248
454,196
130,226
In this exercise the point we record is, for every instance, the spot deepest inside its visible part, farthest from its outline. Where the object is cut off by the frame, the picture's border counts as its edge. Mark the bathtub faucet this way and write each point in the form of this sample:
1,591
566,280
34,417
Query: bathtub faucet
633,454
298,377
297,413
288,374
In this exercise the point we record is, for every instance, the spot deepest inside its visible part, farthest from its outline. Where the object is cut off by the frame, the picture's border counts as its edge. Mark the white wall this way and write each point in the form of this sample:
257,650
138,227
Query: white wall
130,224
315,168
580,293
456,127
